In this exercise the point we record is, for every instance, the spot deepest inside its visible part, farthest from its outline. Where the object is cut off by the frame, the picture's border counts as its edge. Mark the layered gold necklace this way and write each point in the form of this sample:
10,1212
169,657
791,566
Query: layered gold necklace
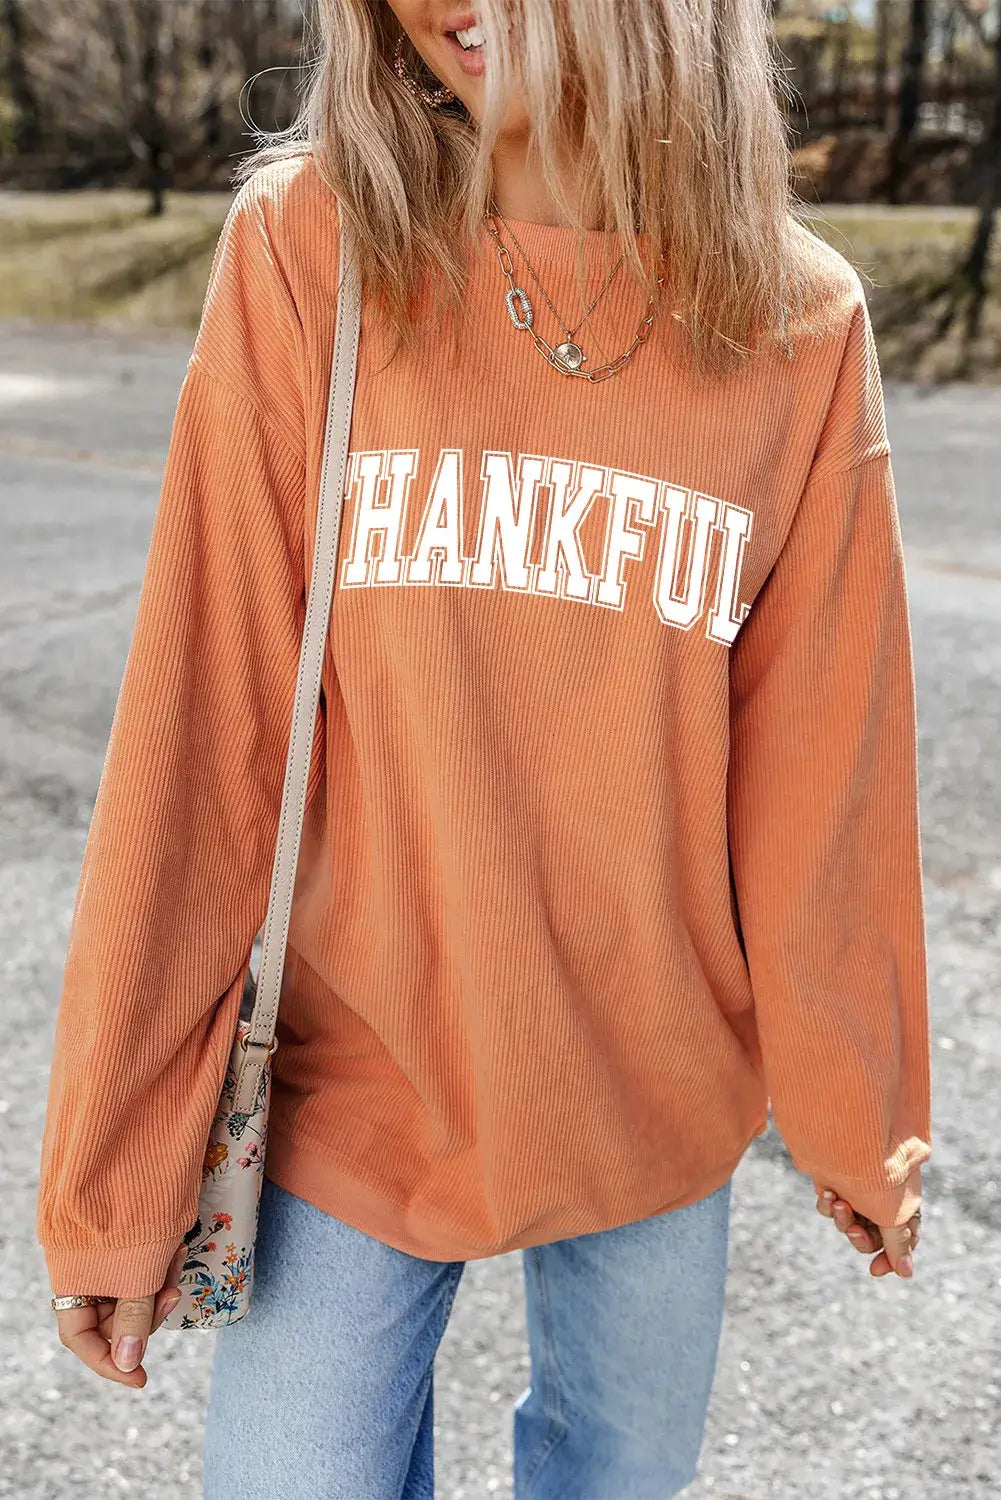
568,356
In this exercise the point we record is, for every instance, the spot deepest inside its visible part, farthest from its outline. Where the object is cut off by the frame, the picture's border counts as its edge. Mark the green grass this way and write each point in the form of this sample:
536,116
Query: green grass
905,256
98,257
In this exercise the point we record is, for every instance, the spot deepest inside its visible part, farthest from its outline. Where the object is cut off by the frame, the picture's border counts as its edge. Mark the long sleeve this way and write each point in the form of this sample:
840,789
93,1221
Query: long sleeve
824,827
177,863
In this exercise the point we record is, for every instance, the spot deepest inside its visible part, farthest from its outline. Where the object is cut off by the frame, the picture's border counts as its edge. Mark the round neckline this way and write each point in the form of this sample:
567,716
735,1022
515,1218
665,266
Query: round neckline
555,245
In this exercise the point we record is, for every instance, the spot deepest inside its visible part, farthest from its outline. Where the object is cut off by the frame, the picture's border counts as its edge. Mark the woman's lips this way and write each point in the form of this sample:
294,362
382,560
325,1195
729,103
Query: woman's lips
472,63
459,20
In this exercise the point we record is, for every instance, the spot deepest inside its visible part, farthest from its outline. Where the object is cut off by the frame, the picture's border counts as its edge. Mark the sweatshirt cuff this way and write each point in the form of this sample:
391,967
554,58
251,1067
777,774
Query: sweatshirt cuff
110,1270
891,1204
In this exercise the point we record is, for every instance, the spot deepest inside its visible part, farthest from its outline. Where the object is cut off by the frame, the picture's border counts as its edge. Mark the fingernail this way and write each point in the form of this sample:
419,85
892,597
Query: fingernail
172,1302
855,1234
127,1352
905,1264
828,1196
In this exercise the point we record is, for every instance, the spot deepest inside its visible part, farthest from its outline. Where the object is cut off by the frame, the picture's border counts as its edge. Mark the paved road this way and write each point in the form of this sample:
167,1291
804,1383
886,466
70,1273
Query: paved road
828,1383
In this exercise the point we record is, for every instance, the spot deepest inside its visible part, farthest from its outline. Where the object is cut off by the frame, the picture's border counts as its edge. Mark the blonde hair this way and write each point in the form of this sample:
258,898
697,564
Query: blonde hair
669,110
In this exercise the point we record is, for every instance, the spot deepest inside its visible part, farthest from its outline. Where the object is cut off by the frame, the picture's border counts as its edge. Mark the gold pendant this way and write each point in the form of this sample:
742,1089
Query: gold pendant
570,354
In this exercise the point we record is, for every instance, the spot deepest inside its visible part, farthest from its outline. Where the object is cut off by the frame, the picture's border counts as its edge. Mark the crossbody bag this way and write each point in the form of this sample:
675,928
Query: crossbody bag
217,1279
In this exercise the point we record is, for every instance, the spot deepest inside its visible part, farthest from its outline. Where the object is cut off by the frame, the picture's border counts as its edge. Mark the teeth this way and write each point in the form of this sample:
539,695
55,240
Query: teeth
472,38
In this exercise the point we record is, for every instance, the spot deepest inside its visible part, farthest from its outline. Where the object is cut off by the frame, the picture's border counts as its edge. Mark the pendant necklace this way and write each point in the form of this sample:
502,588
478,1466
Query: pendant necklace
570,352
567,356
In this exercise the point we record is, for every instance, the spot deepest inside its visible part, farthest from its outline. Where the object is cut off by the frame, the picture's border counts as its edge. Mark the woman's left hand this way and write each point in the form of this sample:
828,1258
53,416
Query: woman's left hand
894,1242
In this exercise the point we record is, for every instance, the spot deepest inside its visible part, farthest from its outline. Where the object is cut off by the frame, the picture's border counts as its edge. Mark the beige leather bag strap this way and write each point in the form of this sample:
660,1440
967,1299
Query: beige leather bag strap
260,1039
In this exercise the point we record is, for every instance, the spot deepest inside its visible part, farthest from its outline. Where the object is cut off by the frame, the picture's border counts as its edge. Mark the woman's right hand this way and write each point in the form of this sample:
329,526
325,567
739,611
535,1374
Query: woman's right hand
895,1242
110,1337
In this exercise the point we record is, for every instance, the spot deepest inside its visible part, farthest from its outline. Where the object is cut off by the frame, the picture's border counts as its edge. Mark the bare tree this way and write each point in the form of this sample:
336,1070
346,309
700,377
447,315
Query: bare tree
240,43
114,74
140,88
840,32
973,271
960,296
881,60
912,72
210,50
27,117
144,66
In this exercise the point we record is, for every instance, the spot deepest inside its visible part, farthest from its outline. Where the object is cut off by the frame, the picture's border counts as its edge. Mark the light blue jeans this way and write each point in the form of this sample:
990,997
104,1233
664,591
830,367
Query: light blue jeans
324,1390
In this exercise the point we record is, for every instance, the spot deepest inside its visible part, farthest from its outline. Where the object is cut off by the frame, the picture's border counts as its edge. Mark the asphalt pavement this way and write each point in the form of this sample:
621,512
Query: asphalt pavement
829,1383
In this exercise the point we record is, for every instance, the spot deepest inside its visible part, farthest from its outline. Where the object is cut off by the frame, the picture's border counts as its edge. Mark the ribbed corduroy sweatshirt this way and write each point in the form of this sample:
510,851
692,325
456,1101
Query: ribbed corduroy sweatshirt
612,826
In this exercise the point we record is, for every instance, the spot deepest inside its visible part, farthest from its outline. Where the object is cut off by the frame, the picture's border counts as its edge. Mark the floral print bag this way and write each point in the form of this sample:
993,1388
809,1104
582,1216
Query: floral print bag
218,1273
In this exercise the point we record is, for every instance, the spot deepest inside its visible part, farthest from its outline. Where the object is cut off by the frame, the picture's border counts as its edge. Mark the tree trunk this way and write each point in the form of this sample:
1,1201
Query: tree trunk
911,86
28,127
151,125
841,40
881,61
208,61
974,268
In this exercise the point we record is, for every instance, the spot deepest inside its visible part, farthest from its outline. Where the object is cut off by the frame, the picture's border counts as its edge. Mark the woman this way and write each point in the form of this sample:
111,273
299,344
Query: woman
612,833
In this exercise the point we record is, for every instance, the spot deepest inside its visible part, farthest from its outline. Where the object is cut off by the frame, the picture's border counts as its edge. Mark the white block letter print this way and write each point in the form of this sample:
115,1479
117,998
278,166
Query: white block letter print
382,483
440,535
621,541
373,518
685,611
562,571
506,521
724,622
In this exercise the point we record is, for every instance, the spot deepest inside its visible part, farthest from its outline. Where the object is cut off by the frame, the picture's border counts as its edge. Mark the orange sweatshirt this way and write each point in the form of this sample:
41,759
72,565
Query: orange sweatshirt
612,825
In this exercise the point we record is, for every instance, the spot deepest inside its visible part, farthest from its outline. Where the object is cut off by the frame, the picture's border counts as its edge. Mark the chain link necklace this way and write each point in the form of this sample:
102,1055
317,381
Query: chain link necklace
568,356
570,352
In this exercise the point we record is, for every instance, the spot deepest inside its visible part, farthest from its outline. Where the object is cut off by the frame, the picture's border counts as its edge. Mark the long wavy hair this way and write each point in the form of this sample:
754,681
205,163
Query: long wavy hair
669,111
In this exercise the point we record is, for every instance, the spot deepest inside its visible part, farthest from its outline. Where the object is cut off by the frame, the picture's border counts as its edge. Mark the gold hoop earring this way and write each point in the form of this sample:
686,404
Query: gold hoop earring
433,97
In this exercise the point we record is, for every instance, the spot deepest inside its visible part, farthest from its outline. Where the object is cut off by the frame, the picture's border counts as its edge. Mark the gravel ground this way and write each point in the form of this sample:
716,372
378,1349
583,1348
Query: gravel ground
828,1382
